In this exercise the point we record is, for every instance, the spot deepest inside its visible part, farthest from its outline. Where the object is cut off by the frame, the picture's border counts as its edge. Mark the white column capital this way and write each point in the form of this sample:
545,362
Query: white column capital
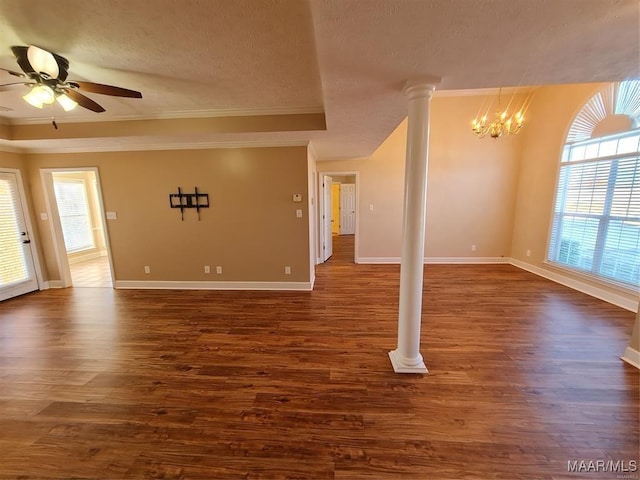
421,87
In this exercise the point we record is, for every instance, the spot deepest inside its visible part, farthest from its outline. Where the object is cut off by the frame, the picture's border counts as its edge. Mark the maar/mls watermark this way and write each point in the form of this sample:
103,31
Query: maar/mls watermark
626,469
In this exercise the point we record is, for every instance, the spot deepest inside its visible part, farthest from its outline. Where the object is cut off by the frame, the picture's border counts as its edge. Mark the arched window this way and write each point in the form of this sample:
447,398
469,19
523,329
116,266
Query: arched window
596,223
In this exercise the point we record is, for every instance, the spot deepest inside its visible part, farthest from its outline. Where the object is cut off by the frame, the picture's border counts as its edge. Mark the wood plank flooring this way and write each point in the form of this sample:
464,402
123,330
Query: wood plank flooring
91,273
525,377
343,249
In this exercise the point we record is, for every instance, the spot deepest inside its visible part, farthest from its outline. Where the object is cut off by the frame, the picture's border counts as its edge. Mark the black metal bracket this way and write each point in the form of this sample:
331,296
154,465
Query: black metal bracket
189,200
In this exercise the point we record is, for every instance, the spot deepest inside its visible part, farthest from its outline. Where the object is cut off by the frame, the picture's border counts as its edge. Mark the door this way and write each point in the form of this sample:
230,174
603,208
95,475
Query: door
17,270
347,209
327,241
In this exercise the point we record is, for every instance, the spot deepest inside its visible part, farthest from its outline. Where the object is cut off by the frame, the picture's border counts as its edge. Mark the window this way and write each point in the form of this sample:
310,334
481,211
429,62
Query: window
71,197
596,223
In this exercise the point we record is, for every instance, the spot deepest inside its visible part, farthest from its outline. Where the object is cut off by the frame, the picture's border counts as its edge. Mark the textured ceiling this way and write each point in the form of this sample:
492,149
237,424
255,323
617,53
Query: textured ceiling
346,58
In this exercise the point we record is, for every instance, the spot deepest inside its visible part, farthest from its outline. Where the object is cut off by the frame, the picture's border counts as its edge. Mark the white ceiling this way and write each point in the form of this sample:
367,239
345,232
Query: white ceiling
346,58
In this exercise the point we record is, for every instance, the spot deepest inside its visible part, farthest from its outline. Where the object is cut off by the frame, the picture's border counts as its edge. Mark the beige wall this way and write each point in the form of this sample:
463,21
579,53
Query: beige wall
550,116
251,228
348,179
312,211
12,160
470,192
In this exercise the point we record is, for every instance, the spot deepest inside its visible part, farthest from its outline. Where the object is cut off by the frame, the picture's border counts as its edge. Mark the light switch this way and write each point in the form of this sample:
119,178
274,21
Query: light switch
371,207
299,213
112,216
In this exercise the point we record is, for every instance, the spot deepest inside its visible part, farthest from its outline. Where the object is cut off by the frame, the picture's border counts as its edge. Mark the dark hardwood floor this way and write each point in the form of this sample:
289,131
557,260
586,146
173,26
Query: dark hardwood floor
525,378
343,249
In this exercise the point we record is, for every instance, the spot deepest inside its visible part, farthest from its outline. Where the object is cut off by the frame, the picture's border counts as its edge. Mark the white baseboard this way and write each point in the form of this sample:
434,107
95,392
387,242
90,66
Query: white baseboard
632,357
467,260
51,284
618,300
83,257
435,260
377,260
162,285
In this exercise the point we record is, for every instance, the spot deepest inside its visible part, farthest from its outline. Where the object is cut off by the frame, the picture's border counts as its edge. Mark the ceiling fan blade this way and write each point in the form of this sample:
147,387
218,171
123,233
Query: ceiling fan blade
106,89
83,101
11,72
43,61
21,57
36,60
63,66
13,83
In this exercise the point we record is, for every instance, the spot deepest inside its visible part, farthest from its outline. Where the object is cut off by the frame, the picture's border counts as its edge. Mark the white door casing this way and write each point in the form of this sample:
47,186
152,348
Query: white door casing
62,260
327,240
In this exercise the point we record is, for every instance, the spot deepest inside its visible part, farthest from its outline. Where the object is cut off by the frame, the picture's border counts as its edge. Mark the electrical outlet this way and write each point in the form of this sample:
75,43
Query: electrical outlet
218,269
147,269
207,269
473,248
287,270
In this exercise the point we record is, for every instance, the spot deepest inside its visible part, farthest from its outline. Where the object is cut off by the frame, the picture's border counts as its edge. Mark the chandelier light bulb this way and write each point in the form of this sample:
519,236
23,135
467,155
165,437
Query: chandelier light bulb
503,123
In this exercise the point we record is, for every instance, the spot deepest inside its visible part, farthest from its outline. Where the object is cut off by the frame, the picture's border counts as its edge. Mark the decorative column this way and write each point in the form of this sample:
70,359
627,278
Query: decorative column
407,358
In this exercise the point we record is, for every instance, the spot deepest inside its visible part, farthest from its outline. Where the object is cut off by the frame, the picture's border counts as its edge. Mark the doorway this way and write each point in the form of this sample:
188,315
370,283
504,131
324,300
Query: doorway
338,217
78,225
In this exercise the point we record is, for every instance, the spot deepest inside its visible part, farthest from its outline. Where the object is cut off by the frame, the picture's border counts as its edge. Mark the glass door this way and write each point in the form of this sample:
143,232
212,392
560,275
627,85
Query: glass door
17,272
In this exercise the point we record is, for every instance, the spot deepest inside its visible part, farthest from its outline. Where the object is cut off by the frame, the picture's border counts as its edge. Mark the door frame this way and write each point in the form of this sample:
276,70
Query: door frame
26,212
320,224
55,225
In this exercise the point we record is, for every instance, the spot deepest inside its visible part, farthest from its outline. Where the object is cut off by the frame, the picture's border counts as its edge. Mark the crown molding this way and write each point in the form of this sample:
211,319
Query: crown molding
479,92
11,149
178,114
170,146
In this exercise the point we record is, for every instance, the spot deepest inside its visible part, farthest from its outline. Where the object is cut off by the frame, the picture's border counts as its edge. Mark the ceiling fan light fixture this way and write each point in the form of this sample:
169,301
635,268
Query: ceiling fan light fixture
40,95
67,103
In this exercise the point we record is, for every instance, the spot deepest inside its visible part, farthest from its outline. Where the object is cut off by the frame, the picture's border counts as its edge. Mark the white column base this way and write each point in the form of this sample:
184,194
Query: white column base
632,357
403,365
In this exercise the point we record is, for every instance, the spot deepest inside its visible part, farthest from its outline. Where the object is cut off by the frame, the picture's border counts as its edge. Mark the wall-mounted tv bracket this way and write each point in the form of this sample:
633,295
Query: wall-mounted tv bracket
189,200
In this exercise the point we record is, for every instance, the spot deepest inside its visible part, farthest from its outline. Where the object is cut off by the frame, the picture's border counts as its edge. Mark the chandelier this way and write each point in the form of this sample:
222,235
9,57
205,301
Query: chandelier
505,121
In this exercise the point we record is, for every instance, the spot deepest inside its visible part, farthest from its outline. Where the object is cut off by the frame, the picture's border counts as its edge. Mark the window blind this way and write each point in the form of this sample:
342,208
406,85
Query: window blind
596,223
13,264
71,197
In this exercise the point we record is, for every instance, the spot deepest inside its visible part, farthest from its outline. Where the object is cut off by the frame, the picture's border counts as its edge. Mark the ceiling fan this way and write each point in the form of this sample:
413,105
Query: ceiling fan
46,73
